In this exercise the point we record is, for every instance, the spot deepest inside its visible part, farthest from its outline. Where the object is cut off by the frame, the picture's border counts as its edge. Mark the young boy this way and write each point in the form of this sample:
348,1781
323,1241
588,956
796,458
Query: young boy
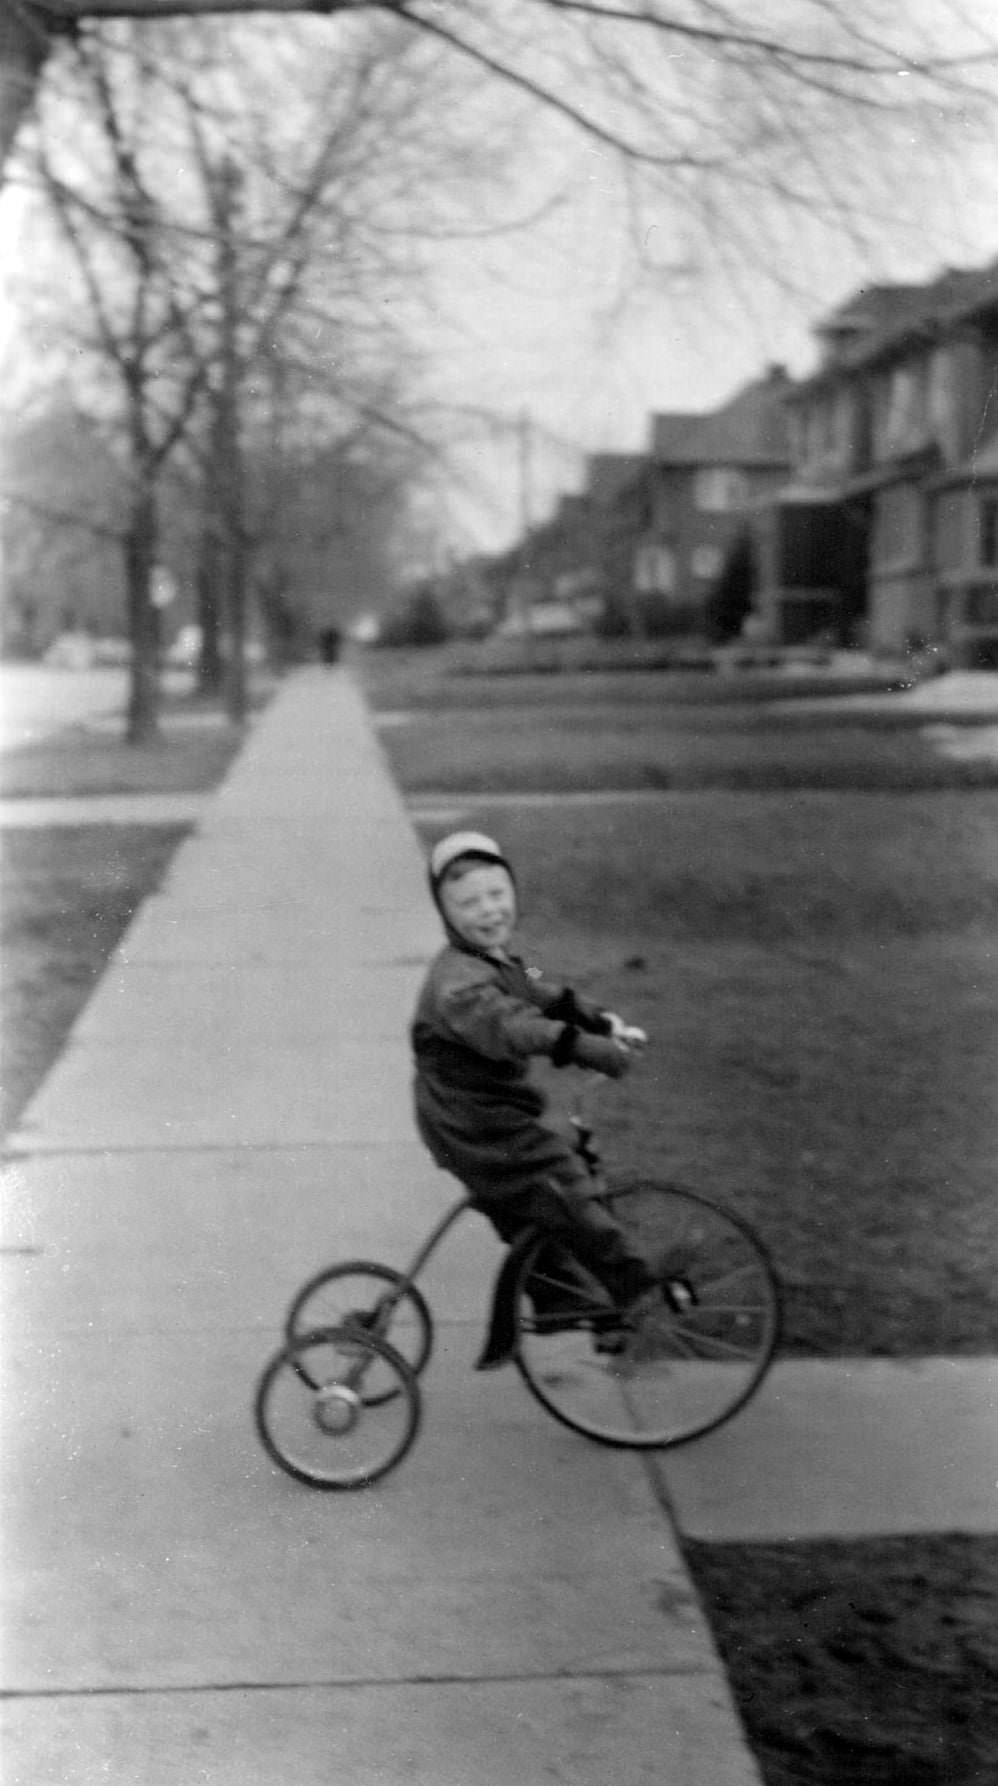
480,1018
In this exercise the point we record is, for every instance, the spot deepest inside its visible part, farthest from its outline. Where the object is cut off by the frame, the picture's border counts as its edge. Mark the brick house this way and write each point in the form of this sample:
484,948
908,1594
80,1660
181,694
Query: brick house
688,506
887,533
574,559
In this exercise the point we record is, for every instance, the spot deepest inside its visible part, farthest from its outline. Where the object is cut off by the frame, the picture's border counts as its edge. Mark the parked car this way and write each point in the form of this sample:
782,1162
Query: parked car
114,651
542,620
185,650
71,651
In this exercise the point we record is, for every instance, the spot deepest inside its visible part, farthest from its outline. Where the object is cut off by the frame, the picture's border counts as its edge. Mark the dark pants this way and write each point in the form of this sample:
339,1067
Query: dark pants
566,1205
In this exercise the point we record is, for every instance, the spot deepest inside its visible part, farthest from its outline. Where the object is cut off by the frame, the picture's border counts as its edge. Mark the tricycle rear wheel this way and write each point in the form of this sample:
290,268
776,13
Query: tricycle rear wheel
371,1296
315,1420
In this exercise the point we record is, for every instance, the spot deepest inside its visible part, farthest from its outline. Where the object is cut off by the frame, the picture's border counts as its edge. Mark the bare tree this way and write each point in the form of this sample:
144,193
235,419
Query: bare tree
318,231
224,239
726,138
791,101
139,328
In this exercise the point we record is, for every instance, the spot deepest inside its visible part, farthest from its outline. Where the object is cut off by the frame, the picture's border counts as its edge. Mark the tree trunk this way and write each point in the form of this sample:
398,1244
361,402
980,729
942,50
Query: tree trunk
235,604
278,616
24,45
228,469
140,553
209,583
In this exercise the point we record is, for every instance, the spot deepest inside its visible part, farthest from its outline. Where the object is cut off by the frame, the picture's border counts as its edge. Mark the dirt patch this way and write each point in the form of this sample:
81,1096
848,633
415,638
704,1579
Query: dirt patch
872,1663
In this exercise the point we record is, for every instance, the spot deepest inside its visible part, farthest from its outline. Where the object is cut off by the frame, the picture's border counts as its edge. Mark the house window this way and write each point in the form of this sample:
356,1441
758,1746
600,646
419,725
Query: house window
842,429
950,531
943,403
903,411
718,489
707,562
825,435
654,570
981,607
987,537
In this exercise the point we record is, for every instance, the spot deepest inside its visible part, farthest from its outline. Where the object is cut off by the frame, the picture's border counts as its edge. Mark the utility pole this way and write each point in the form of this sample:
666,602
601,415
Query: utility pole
525,450
524,443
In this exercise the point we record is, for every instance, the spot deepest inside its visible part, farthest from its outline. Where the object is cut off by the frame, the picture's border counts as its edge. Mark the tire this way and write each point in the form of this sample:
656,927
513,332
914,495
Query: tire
314,1420
355,1292
687,1358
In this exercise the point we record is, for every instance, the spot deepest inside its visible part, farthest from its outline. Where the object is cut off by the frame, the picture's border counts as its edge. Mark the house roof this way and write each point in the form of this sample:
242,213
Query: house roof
607,474
871,308
750,429
879,321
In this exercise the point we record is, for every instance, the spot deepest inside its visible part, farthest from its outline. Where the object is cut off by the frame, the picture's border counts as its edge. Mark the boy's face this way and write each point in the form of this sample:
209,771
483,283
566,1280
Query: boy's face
479,902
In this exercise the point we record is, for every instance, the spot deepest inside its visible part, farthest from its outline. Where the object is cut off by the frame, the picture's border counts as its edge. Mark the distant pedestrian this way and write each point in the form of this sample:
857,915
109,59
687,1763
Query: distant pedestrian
329,644
481,1016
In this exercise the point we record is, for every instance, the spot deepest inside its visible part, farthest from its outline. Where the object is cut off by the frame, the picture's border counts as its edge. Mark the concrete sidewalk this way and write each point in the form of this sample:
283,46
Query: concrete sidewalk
232,1110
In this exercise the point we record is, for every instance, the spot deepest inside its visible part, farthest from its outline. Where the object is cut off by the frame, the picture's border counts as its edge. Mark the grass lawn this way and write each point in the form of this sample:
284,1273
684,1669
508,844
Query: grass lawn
69,893
81,761
823,1008
807,925
692,732
68,896
815,963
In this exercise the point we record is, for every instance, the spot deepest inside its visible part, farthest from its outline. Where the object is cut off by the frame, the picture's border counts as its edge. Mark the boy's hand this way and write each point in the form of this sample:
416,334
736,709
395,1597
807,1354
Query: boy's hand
602,1054
620,1031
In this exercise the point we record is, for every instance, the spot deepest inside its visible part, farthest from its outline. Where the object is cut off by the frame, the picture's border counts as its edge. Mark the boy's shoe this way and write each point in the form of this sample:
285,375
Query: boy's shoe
612,1331
612,1335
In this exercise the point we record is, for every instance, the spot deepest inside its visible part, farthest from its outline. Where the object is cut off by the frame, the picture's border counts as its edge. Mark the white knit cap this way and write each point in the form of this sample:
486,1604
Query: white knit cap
464,843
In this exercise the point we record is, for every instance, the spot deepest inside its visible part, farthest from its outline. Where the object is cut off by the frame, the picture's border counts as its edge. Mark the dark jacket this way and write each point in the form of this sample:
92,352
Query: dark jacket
478,1022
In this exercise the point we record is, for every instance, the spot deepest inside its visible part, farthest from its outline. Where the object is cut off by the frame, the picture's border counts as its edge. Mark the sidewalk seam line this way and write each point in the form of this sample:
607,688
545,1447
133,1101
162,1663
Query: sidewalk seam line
12,1154
10,1695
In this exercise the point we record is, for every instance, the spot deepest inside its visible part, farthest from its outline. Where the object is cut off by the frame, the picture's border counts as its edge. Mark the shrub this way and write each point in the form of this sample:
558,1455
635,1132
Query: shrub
420,622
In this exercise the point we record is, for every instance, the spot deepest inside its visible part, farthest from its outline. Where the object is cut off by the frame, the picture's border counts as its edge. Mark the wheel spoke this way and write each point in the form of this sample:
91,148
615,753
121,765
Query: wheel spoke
709,1344
721,1280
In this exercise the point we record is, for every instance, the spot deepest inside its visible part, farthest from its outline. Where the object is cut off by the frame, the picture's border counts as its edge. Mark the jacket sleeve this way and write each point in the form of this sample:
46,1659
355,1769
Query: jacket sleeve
476,1010
564,1005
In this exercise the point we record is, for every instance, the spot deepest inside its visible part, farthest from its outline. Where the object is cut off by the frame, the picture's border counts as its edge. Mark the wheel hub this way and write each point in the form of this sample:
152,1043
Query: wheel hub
336,1410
